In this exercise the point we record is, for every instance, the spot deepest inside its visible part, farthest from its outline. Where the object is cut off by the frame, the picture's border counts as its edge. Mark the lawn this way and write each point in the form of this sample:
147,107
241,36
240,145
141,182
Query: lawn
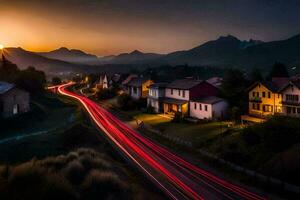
198,133
48,112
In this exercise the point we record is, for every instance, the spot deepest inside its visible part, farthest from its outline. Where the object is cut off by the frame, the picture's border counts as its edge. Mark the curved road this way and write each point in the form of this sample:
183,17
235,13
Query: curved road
178,178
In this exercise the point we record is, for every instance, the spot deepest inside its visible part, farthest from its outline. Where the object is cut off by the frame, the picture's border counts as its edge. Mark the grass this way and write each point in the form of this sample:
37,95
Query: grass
47,112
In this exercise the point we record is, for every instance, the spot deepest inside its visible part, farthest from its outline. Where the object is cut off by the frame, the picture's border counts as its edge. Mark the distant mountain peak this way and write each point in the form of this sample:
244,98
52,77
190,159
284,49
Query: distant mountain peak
228,38
62,49
136,52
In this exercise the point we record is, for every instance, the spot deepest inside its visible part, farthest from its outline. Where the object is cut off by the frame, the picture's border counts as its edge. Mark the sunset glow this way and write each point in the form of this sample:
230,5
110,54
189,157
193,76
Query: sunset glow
1,46
113,27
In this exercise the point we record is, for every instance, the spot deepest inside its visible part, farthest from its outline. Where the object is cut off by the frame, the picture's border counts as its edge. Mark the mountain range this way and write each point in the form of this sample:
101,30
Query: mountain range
226,51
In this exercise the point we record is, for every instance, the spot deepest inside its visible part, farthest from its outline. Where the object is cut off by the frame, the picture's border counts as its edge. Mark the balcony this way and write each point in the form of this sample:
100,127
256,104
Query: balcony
291,103
255,99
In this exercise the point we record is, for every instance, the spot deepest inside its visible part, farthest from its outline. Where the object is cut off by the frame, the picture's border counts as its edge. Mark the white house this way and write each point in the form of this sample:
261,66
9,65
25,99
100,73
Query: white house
210,107
156,93
291,98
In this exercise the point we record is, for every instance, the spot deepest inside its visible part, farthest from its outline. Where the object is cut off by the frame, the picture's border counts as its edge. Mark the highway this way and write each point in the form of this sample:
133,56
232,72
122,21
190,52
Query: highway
175,176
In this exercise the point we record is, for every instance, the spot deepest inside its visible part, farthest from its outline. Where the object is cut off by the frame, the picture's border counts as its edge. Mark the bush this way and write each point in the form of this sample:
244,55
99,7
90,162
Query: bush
107,185
105,94
178,117
150,110
82,174
125,102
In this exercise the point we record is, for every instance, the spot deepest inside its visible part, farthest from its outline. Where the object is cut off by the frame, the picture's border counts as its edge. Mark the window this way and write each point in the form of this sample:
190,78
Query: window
263,94
183,93
253,106
171,91
258,106
278,96
253,94
257,94
205,107
200,106
298,110
291,97
269,95
178,92
195,106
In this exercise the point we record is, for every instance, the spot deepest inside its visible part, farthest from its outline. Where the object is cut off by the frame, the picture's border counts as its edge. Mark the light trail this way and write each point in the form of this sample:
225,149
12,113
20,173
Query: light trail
178,178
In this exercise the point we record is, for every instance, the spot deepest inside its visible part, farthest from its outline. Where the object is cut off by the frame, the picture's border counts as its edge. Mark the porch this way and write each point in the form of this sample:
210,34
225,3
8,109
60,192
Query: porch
172,106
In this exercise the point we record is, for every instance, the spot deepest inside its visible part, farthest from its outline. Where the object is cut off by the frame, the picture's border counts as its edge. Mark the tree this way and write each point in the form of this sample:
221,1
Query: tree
278,70
8,71
32,80
56,80
256,75
234,89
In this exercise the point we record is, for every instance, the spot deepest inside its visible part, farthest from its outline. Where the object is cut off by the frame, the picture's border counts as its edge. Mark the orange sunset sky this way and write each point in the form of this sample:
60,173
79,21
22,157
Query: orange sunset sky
105,27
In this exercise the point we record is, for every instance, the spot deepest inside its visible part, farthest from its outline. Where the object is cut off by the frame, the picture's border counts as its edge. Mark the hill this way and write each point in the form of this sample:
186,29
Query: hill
24,58
71,55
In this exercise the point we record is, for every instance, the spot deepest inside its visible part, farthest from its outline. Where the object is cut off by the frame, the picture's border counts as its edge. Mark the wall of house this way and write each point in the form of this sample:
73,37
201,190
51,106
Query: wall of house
203,89
135,94
154,103
274,101
294,109
196,112
12,98
219,110
176,95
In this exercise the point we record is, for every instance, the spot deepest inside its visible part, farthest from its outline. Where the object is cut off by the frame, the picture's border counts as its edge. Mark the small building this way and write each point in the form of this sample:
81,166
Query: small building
181,91
210,107
13,101
103,82
290,98
138,88
156,95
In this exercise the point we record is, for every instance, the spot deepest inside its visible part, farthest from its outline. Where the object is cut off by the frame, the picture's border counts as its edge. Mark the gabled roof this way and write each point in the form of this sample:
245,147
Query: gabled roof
137,82
292,82
268,84
5,87
184,84
208,100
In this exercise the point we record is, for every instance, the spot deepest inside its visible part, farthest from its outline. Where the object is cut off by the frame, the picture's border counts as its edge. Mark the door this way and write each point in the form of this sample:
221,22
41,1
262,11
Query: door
16,109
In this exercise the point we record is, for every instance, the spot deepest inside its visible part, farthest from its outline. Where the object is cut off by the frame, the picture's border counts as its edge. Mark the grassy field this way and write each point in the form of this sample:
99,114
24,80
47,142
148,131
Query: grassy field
26,154
48,112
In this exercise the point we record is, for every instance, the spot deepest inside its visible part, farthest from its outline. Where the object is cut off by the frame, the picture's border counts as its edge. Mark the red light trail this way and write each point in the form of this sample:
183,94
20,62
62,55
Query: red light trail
178,178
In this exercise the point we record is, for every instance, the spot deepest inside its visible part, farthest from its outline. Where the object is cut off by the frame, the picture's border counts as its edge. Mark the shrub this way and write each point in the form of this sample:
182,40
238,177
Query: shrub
125,102
106,94
104,184
150,110
178,117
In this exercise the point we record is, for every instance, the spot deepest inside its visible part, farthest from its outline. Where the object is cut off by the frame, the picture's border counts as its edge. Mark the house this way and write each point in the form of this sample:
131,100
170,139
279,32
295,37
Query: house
180,92
215,81
210,107
13,101
264,99
290,93
138,88
156,95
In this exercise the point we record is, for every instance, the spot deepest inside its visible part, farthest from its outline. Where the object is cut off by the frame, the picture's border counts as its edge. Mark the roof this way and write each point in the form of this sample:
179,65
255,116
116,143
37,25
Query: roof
208,100
158,85
173,101
5,87
137,82
268,84
293,82
184,84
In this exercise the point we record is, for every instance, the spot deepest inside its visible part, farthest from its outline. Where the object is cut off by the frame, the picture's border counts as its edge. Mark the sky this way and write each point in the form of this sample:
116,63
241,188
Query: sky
105,27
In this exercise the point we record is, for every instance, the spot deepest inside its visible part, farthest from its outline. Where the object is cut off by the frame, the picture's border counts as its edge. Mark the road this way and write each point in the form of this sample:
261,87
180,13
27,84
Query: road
175,176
